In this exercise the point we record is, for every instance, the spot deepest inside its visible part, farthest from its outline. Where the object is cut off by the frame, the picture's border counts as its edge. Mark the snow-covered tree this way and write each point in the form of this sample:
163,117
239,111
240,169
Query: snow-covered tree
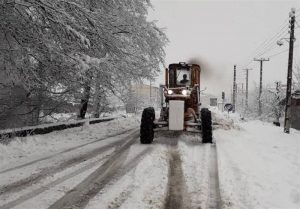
273,101
272,107
56,43
296,75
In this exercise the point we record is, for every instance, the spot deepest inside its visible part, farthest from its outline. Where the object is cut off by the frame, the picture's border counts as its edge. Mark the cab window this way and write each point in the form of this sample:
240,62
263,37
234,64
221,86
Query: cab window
183,77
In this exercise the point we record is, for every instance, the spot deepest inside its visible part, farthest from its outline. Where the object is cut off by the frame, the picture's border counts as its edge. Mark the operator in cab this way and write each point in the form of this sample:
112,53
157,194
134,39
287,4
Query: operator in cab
184,79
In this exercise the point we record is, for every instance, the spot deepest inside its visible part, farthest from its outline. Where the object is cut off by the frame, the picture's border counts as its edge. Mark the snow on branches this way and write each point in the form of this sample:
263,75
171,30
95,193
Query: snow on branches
49,43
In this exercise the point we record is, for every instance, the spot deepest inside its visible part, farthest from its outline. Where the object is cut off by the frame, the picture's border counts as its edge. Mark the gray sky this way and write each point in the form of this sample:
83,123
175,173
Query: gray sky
219,34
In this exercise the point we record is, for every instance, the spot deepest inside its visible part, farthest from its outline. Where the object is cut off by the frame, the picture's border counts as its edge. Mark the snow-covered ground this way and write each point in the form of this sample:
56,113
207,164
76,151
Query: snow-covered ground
259,166
24,149
42,168
254,165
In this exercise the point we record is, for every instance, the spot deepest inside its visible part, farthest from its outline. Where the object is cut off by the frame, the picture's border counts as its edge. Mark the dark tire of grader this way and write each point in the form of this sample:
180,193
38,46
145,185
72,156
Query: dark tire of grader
147,126
206,126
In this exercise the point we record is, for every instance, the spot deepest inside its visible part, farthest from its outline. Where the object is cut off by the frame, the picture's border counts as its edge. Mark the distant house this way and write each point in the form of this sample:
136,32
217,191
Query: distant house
213,101
295,108
142,96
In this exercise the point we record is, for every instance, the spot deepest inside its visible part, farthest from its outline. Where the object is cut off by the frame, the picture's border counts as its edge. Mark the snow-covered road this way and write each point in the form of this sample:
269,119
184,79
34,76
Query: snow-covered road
104,166
92,167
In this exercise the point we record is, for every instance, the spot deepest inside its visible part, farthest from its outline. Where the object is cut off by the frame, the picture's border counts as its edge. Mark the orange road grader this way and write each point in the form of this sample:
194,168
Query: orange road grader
181,110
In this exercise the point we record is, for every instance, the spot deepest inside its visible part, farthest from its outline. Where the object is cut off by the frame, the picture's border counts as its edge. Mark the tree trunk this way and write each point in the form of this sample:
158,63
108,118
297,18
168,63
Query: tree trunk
39,98
97,96
84,101
38,107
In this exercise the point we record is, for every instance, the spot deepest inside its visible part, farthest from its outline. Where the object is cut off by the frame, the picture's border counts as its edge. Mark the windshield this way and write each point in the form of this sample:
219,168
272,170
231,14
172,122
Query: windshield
183,77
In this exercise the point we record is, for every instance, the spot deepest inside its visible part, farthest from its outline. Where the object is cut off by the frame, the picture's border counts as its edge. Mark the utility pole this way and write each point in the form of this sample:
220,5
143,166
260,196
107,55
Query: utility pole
223,100
261,60
231,94
234,88
247,79
242,95
277,91
288,100
150,95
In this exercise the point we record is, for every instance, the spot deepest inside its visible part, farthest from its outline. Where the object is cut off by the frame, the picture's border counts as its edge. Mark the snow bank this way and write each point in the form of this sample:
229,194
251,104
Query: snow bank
32,147
59,117
224,120
8,135
259,166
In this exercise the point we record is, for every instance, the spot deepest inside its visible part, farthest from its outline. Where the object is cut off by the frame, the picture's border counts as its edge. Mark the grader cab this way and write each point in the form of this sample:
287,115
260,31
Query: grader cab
181,110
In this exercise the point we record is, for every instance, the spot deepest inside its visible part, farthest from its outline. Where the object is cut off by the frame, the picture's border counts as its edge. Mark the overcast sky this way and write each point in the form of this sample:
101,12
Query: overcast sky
219,34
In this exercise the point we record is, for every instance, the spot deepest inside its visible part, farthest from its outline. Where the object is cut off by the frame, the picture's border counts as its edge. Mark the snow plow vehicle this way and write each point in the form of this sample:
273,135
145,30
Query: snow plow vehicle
181,110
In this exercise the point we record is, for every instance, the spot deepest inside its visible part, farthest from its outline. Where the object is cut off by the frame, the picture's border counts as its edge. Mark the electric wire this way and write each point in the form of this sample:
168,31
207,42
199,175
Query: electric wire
273,40
269,43
269,46
281,52
281,27
267,49
264,46
296,34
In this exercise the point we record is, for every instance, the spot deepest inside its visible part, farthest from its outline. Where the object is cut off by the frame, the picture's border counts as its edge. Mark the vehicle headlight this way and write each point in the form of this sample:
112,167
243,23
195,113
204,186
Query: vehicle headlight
184,92
170,92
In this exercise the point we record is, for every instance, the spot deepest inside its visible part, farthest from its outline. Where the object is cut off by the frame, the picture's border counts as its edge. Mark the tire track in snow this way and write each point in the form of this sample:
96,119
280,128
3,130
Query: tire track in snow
113,169
64,151
118,201
116,153
38,191
214,201
177,197
240,179
49,171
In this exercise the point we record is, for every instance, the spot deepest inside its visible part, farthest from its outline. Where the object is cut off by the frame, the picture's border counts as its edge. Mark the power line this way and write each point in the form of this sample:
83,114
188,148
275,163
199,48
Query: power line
282,27
273,55
267,50
278,53
269,44
272,40
263,45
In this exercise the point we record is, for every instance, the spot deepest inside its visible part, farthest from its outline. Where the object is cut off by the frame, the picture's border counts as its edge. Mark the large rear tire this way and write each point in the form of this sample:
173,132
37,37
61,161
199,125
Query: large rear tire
147,126
206,126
